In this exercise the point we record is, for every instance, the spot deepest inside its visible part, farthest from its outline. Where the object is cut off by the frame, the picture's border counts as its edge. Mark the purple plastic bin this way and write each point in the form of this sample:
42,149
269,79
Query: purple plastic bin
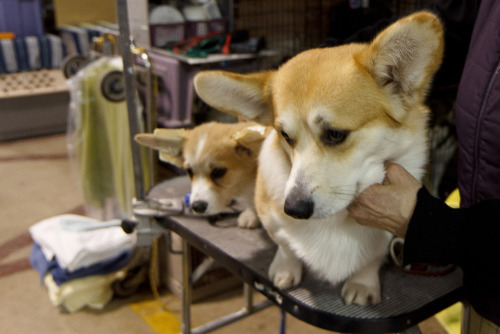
203,28
22,17
163,33
176,90
175,85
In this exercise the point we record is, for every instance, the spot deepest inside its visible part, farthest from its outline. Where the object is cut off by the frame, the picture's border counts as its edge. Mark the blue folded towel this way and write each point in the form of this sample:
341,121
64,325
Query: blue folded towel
40,263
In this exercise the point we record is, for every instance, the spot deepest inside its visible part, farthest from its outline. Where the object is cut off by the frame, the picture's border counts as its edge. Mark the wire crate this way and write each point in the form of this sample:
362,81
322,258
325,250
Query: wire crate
288,26
161,34
203,28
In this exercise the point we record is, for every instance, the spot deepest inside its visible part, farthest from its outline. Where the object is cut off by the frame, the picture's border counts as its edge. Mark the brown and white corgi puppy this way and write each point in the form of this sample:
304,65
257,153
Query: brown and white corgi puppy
338,114
221,161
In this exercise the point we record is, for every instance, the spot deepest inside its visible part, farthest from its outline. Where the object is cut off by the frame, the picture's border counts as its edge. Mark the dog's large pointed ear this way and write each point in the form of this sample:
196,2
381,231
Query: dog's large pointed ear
404,57
245,95
168,141
249,139
250,134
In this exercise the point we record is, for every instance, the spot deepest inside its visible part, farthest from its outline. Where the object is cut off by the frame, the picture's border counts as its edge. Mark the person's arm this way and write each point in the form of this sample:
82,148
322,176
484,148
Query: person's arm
469,238
436,233
433,231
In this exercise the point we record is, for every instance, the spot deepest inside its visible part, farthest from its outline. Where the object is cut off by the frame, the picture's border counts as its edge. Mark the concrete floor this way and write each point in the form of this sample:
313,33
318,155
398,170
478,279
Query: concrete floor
36,182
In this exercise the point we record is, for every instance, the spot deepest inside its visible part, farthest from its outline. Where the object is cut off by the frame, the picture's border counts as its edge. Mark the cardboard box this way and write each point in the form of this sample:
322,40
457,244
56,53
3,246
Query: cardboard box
77,11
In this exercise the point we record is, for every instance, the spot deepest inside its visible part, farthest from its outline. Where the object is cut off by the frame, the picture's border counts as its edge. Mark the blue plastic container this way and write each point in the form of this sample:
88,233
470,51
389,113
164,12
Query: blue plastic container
22,17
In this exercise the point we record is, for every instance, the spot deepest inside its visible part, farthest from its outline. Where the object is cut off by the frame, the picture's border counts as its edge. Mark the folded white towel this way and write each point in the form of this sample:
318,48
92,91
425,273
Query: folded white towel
75,250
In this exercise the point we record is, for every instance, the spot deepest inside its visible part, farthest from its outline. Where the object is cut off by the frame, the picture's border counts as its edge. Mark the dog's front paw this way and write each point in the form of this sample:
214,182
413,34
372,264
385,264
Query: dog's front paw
285,279
285,271
361,294
248,219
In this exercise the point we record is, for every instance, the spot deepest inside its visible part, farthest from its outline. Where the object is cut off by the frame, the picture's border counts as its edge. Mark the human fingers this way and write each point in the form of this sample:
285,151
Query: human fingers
397,174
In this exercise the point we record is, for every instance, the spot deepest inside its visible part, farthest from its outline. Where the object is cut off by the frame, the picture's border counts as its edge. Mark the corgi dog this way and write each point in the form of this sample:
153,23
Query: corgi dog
221,161
337,115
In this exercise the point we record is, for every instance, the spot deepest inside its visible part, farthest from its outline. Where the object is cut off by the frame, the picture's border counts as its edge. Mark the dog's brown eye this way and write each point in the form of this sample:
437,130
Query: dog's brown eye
285,136
334,136
190,172
218,172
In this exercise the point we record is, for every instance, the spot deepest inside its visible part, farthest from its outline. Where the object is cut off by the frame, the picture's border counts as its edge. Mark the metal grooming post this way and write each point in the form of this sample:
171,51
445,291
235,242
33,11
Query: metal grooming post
130,93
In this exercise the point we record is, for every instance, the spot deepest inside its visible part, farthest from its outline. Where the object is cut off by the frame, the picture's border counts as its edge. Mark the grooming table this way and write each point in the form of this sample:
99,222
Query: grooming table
407,299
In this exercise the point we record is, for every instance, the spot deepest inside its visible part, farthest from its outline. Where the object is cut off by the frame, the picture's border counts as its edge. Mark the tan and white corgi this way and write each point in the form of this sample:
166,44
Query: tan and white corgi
221,161
338,115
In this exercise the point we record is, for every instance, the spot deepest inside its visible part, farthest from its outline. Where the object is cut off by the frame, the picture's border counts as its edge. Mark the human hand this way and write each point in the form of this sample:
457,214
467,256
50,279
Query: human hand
388,206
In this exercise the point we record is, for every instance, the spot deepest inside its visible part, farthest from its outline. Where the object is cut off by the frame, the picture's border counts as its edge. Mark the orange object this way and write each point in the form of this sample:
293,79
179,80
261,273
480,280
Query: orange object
227,44
7,35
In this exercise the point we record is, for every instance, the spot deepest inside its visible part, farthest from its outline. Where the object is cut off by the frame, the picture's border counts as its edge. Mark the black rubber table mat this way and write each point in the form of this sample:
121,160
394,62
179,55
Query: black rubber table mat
407,299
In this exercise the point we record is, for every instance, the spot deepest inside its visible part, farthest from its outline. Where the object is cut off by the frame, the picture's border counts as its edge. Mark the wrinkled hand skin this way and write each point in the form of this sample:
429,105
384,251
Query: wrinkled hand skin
388,206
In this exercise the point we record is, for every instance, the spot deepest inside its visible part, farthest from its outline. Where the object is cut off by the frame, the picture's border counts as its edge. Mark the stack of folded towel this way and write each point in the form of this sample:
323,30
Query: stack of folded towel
79,258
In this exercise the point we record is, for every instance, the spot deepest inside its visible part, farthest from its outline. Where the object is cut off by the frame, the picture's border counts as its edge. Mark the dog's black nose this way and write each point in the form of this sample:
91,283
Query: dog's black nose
298,206
199,206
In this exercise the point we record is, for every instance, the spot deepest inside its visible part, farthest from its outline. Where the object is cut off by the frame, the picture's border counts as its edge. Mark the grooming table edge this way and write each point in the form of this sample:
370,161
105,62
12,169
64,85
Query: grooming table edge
406,299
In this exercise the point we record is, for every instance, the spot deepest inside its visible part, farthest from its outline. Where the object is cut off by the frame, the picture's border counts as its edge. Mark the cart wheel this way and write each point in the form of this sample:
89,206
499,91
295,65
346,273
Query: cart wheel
113,86
72,64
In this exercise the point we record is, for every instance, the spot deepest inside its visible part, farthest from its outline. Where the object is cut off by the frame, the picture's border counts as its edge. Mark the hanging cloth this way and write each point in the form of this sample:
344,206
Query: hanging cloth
99,138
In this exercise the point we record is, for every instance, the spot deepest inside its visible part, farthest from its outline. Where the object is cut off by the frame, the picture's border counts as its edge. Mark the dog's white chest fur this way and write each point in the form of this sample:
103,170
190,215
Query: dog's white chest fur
333,248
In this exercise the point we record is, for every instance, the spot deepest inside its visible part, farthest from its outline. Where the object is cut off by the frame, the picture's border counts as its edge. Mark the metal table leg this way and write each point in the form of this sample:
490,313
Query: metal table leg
248,309
186,291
